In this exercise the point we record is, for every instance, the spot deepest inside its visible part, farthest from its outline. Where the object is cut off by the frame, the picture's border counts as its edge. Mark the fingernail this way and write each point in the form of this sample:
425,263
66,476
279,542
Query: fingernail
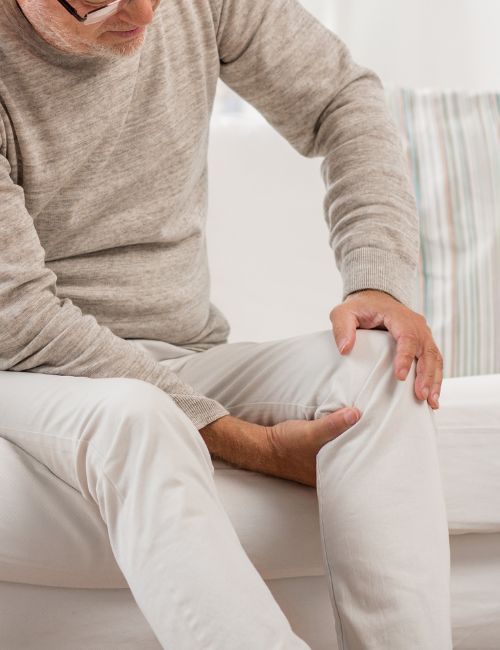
435,397
351,417
402,373
343,344
425,393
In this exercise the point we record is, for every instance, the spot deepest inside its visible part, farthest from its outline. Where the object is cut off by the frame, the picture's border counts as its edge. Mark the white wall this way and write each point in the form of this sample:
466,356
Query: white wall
422,43
452,44
273,273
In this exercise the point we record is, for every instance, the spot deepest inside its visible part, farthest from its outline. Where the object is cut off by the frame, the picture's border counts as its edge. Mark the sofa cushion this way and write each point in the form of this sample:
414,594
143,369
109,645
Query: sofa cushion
452,142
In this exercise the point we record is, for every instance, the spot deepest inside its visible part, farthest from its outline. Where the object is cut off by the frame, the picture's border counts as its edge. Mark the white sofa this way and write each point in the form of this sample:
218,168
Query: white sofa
273,275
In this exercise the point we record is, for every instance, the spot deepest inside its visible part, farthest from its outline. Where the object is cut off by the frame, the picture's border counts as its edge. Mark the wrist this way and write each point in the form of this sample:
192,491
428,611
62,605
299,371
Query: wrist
371,292
236,441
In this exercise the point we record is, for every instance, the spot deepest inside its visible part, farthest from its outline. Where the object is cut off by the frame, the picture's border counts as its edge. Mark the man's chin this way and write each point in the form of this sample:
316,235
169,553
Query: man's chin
112,48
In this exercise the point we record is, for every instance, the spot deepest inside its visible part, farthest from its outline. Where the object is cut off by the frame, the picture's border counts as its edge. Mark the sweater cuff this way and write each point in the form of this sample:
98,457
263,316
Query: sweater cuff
200,410
373,268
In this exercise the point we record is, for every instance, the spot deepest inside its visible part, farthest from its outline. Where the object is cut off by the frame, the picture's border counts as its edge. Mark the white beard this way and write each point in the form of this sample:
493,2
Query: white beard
53,30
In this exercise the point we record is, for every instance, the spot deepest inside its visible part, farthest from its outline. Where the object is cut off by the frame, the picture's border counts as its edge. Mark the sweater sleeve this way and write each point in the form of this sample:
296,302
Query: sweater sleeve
40,332
300,76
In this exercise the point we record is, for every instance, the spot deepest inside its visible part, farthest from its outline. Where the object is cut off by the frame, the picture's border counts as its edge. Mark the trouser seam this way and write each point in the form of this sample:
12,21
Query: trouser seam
182,608
328,564
323,536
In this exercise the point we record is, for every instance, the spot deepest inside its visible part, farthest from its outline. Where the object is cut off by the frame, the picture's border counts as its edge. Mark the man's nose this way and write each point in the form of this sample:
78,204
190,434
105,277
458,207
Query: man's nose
139,12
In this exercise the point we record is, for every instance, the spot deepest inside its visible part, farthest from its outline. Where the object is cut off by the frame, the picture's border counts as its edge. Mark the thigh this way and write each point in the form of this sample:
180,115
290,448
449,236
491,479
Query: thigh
39,412
300,377
65,422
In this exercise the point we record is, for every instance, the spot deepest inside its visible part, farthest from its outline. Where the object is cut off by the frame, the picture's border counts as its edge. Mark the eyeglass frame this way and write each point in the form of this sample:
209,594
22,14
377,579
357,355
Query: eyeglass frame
85,19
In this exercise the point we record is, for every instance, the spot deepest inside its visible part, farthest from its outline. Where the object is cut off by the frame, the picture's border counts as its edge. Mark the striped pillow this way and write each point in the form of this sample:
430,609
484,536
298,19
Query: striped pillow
452,141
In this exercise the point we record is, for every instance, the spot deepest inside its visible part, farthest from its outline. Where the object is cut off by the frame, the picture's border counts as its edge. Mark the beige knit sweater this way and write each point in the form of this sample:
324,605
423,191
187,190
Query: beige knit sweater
103,182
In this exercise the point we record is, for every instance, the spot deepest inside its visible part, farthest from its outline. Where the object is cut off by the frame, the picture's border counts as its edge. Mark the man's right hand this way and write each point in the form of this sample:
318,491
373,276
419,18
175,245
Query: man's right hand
286,450
294,444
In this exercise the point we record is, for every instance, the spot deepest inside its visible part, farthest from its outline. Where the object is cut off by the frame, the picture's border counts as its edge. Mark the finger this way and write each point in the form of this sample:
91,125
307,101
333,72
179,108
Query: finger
344,324
436,387
424,379
333,424
427,365
406,351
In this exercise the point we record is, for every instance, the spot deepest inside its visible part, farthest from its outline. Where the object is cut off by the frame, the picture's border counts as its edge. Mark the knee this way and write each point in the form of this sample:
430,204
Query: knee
373,357
372,347
371,366
370,359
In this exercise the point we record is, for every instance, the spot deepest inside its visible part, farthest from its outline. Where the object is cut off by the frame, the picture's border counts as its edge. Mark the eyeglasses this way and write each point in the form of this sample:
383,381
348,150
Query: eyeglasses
102,11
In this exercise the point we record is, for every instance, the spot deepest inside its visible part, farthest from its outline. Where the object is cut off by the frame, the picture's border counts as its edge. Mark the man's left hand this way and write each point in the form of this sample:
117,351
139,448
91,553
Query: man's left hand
373,309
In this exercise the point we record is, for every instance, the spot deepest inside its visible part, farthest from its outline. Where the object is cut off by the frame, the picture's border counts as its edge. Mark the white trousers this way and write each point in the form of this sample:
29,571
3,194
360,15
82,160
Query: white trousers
125,445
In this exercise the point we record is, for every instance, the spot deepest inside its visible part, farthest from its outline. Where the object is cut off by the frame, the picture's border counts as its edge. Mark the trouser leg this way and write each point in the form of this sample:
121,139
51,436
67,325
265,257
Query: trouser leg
382,511
126,445
383,517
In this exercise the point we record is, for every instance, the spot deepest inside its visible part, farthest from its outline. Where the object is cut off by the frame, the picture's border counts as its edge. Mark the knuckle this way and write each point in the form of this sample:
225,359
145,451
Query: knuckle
409,351
409,332
432,351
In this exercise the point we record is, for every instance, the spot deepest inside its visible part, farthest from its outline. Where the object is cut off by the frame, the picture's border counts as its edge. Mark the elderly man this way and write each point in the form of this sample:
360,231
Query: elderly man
116,370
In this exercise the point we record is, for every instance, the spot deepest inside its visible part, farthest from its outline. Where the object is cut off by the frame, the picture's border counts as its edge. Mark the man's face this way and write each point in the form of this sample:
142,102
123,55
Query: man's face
119,35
